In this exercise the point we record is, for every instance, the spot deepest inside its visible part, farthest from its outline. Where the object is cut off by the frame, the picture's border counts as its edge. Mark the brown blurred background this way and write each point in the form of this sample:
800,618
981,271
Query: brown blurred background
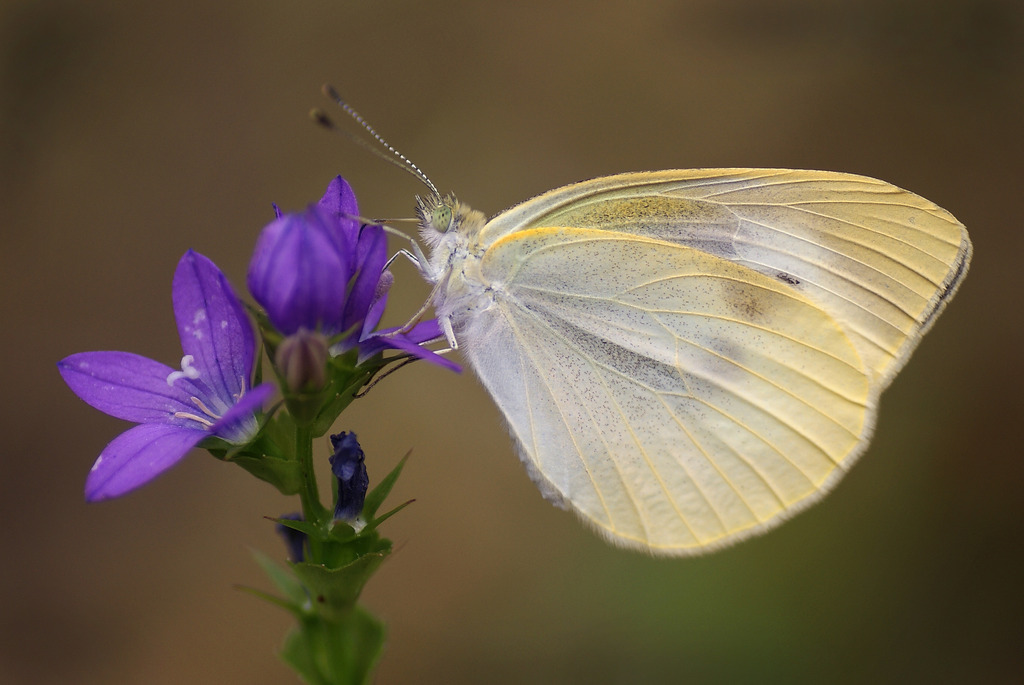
130,132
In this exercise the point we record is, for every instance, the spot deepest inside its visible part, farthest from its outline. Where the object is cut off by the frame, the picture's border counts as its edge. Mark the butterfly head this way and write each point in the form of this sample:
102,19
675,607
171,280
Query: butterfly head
445,219
436,214
449,229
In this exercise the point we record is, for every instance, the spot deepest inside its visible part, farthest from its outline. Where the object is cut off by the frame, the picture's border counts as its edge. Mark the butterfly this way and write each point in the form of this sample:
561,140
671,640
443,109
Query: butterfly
687,358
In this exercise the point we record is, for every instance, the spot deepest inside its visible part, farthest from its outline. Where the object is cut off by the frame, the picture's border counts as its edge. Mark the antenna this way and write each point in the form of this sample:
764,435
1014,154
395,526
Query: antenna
396,157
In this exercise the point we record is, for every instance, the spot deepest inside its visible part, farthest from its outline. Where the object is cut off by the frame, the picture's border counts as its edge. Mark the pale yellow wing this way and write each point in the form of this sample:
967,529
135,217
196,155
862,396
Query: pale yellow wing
676,400
880,260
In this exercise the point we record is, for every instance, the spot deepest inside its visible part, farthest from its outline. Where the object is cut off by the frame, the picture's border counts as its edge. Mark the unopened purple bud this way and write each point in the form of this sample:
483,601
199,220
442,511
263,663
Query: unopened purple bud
347,465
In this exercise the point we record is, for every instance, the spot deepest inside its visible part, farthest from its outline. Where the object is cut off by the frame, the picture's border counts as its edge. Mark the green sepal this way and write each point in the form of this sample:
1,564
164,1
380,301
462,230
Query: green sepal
335,590
307,407
343,546
336,642
258,458
303,526
271,338
372,525
376,497
343,651
341,532
263,456
257,376
346,379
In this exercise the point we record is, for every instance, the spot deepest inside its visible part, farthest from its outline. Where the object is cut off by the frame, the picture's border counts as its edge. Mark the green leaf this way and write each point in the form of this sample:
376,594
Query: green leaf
285,475
290,607
336,652
376,497
356,654
300,652
283,579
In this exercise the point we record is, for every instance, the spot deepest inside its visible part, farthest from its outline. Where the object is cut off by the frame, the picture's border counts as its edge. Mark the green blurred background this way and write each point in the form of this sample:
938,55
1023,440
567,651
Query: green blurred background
131,132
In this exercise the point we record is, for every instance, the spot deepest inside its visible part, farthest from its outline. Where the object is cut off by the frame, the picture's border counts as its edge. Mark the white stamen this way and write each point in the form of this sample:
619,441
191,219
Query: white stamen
199,403
193,417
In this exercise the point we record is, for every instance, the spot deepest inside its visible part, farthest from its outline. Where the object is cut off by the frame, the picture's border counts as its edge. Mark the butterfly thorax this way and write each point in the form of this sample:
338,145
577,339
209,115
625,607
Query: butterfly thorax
451,231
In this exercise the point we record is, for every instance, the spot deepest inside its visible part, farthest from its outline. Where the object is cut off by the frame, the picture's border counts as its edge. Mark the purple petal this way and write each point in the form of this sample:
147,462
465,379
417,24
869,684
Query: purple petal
380,301
404,344
339,202
339,199
380,341
373,254
136,457
238,425
127,386
425,331
298,274
213,326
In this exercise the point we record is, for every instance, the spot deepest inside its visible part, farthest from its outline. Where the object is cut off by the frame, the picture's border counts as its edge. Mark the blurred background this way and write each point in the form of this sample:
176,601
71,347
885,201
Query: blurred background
130,132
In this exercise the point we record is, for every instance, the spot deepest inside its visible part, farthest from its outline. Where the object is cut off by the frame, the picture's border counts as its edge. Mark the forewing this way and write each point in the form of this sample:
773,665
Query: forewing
880,260
675,399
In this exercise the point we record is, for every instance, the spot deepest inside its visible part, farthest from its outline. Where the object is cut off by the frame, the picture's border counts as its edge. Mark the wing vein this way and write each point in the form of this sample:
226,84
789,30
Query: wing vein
579,451
611,396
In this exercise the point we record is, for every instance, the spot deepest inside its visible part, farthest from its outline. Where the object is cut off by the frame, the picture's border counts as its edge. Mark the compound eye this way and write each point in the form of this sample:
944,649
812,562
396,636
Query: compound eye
441,219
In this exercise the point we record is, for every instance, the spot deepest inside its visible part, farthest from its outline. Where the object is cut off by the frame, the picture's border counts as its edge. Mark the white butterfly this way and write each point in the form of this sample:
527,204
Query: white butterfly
687,358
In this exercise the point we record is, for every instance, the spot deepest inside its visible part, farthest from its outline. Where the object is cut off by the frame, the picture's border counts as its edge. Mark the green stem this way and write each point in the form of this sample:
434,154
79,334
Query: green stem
312,510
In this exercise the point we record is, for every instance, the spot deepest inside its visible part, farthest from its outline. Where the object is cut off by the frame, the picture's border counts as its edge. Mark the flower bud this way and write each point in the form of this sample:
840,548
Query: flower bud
301,359
347,465
298,273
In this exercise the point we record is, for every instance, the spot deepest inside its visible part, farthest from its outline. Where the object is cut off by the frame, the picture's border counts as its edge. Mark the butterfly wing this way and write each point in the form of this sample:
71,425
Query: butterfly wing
686,358
882,261
676,406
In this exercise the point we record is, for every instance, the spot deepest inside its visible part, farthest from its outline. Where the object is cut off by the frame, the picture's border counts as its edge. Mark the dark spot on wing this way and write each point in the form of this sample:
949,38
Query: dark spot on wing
786,278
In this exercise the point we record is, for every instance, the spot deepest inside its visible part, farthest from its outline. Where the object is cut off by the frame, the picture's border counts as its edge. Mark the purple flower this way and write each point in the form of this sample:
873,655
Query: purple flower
323,270
209,397
349,467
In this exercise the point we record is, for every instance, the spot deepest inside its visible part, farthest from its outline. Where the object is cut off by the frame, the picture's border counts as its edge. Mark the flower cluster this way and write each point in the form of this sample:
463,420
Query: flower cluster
323,270
320,282
320,277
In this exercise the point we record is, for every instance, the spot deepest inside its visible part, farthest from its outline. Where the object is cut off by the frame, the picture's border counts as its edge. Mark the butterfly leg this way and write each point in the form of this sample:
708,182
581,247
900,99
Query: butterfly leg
449,334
